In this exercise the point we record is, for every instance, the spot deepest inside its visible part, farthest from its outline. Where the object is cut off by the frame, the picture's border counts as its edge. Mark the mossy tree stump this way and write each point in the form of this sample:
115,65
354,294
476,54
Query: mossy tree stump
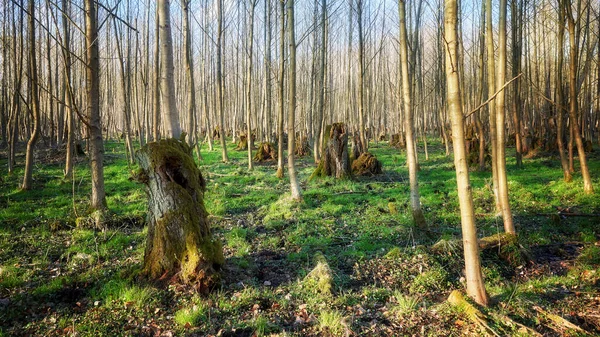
335,158
398,141
179,245
266,151
302,146
366,164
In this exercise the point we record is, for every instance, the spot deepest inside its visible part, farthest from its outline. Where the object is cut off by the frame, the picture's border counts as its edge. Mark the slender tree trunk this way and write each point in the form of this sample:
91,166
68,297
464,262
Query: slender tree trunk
517,47
573,105
220,84
281,91
501,124
364,146
98,200
157,72
68,97
249,54
489,32
35,98
415,199
294,186
564,161
475,285
322,76
172,126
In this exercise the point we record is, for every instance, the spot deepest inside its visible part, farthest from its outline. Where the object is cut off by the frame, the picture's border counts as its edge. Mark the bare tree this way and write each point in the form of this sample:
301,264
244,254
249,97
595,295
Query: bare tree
172,126
98,200
294,186
220,107
411,160
573,104
35,97
500,123
281,90
475,285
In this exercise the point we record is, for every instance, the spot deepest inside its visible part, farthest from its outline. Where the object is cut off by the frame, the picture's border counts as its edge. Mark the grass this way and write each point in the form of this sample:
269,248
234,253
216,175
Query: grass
347,258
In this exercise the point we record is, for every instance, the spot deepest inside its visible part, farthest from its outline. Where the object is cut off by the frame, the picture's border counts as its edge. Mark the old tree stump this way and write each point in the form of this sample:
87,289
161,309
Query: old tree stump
335,158
180,245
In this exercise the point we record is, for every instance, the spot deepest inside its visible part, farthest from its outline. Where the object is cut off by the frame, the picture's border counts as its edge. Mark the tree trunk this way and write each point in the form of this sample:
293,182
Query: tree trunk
564,161
335,158
220,107
491,66
500,124
573,106
156,94
294,186
280,90
68,97
517,47
98,200
172,126
475,285
189,66
179,242
361,78
411,155
35,99
249,54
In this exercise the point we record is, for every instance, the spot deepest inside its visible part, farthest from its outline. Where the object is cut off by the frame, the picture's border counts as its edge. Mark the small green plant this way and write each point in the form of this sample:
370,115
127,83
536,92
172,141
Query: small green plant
236,239
10,278
590,255
320,279
332,322
193,316
261,326
405,304
434,279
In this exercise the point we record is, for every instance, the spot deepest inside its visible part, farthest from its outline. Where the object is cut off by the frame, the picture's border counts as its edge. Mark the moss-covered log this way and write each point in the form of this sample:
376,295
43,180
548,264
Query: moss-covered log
335,159
366,164
179,244
266,151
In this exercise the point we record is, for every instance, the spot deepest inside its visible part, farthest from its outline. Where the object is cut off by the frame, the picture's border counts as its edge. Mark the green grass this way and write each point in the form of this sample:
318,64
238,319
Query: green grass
379,266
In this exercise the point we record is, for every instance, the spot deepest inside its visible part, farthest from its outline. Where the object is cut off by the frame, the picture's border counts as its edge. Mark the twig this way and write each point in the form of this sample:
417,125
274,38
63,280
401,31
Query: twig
491,97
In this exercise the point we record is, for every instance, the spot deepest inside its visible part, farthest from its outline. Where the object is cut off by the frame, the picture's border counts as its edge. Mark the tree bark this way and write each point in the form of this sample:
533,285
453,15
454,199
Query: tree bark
564,161
35,98
220,107
294,186
491,66
180,242
573,104
475,285
335,157
500,124
411,156
172,125
280,90
98,200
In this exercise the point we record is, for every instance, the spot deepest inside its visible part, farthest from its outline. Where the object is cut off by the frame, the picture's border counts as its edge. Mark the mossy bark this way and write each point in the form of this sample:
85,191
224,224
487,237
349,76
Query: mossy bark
266,151
335,158
366,164
179,244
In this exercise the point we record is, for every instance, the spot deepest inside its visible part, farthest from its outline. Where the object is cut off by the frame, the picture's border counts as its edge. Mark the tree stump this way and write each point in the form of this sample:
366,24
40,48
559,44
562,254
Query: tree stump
398,141
366,164
335,159
179,245
356,147
302,146
266,151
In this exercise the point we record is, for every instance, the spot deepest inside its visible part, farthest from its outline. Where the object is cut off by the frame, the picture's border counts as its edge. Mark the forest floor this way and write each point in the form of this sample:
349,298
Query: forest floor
345,262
